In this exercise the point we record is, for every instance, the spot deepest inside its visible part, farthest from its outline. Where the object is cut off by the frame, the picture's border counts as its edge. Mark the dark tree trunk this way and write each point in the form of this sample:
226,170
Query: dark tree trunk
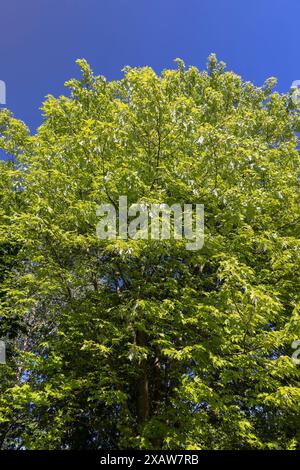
143,383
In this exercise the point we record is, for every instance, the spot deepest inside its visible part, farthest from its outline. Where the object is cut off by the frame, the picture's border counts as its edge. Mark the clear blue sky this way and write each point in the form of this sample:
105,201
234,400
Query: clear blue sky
40,40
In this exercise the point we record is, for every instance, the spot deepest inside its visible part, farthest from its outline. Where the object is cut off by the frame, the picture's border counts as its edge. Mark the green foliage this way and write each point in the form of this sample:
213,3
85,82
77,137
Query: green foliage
141,343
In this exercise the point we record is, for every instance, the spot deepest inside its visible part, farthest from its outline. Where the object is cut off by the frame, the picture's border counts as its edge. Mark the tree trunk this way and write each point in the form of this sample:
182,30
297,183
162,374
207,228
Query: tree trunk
143,383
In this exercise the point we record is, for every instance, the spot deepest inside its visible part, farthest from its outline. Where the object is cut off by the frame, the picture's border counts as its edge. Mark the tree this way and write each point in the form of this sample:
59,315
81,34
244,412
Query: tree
142,343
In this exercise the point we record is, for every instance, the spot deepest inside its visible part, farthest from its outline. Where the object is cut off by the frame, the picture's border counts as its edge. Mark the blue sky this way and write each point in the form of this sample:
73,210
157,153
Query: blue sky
41,39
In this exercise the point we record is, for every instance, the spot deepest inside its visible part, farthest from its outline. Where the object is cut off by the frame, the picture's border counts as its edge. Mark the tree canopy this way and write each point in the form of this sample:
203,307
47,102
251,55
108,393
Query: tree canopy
141,343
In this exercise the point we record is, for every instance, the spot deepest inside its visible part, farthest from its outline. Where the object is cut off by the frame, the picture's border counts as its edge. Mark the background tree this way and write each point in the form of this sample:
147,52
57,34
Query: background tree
141,343
12,329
